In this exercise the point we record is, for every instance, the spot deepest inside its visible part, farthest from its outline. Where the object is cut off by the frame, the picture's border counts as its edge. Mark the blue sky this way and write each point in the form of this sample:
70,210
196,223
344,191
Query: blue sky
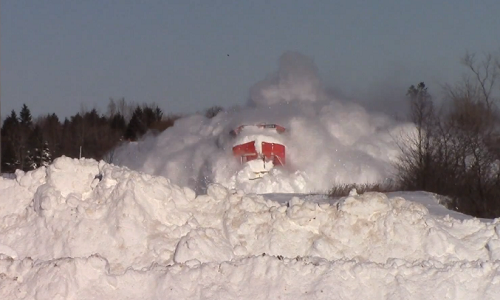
59,55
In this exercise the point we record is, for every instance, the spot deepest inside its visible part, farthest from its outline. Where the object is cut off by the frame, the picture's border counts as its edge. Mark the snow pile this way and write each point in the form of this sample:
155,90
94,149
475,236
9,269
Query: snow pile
80,229
328,141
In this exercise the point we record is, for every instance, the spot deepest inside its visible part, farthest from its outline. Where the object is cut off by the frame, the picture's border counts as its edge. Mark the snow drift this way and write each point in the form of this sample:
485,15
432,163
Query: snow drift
328,141
81,229
181,220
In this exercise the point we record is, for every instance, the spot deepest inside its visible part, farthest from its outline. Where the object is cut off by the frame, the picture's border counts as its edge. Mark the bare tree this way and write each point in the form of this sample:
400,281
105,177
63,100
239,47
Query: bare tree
485,74
415,164
111,112
456,151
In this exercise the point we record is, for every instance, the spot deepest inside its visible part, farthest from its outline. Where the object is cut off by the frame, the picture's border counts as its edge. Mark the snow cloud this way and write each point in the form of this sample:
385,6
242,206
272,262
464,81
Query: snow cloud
328,140
296,80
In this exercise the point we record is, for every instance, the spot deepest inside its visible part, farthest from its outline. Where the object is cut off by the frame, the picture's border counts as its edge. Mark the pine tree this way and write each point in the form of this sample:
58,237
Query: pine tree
30,161
26,130
33,152
45,155
136,127
52,134
118,123
10,143
143,119
25,116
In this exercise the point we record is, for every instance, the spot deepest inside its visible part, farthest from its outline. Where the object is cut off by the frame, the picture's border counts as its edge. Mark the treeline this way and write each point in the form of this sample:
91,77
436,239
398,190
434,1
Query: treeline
29,143
455,149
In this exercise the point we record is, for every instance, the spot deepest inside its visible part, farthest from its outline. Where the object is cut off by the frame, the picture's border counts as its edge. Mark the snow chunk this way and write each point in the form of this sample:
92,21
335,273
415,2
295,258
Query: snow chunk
366,205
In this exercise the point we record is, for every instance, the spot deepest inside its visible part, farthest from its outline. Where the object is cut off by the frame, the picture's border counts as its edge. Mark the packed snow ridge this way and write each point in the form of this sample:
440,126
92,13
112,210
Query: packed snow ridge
82,229
175,216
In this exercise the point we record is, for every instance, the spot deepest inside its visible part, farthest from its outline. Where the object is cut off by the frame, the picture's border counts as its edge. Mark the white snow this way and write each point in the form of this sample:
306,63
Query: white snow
327,140
65,234
181,221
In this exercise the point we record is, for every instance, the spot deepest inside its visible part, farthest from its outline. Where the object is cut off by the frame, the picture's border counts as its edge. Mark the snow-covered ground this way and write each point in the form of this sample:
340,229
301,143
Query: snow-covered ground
176,218
66,234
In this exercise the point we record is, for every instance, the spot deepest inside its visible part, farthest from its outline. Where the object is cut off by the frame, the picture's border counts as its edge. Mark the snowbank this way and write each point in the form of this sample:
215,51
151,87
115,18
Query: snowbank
81,229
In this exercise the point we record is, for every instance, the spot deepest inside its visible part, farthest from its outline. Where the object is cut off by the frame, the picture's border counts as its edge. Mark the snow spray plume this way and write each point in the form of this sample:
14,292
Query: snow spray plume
296,80
327,141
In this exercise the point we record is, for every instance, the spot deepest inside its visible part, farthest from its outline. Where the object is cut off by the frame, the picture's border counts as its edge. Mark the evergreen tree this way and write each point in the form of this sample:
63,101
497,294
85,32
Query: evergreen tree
26,129
10,142
77,135
11,119
118,123
29,144
46,156
97,138
25,116
39,157
52,134
136,127
158,114
142,120
34,141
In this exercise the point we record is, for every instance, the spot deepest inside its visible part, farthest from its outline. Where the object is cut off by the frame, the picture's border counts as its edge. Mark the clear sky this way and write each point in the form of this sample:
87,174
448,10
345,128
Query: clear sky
57,55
